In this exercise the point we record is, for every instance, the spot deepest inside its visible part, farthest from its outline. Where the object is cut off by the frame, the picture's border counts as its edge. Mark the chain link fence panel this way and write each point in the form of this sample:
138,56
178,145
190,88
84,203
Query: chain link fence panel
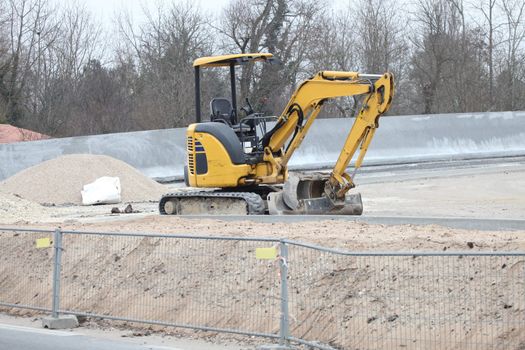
406,300
202,283
26,271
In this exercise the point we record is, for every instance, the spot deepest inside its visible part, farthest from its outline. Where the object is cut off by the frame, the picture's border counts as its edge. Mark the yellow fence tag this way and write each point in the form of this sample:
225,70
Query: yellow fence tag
266,253
43,243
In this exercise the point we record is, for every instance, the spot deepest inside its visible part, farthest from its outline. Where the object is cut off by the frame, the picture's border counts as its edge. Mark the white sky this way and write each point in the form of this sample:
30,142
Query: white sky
104,10
105,13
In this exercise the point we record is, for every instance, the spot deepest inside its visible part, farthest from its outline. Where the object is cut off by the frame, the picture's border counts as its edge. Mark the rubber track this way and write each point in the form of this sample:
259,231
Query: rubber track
254,202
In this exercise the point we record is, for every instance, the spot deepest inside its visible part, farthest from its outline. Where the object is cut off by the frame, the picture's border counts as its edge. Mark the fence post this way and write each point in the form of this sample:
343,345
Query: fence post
284,333
64,321
57,239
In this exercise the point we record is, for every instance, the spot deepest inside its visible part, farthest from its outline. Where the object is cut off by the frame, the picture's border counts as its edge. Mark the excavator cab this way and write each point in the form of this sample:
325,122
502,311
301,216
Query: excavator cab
250,128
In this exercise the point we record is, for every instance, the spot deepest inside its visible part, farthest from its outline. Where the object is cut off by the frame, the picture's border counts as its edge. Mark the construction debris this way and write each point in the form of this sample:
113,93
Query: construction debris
128,210
104,190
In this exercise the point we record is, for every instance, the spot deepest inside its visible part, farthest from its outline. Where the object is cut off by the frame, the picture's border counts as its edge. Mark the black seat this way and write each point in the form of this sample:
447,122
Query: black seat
221,109
227,137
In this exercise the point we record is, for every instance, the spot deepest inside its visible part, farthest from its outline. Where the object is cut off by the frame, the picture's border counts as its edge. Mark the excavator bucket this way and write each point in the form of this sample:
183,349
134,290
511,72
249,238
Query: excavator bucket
303,193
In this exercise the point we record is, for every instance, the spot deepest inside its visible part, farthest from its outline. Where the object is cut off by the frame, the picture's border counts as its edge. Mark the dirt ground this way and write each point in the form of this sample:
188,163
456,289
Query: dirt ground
494,191
362,303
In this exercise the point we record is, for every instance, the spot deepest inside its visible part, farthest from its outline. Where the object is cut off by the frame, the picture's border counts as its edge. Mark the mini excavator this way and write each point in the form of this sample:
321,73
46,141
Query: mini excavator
239,167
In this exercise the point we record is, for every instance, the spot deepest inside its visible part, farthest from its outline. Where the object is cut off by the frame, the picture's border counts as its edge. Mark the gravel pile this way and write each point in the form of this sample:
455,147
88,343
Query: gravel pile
16,209
59,181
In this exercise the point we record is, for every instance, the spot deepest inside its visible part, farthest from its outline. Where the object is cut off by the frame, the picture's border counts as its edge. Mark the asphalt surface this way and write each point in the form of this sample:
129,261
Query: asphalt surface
20,337
411,171
459,223
27,338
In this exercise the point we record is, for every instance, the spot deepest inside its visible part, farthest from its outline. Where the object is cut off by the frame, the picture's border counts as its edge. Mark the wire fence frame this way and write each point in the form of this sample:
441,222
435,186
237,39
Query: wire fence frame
194,259
33,277
460,304
284,334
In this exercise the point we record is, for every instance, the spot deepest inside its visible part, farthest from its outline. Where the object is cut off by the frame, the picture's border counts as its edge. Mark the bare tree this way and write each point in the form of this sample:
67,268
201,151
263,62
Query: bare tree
77,42
381,42
333,43
164,49
28,22
285,28
447,56
514,11
290,36
4,49
444,58
332,47
80,42
487,8
379,34
244,25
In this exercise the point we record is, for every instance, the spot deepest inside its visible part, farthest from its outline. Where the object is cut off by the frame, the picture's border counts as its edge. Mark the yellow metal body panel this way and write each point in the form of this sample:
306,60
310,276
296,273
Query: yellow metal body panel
221,172
225,60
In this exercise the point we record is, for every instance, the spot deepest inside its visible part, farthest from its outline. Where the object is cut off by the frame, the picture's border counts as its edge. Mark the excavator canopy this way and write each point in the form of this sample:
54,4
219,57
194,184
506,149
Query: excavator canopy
228,60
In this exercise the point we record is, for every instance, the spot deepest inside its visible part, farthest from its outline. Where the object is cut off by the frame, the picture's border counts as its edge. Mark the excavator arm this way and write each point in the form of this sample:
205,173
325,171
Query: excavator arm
304,107
376,103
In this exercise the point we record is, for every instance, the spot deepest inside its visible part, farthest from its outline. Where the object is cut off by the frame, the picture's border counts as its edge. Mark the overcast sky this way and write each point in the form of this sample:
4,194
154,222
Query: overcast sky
105,13
104,10
108,7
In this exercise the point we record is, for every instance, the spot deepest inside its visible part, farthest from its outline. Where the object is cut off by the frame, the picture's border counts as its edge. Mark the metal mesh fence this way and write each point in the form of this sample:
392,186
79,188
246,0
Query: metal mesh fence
188,282
26,272
396,300
329,299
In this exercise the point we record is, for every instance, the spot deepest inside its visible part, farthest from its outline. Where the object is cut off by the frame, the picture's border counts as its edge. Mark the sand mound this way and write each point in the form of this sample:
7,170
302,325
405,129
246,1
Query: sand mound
60,180
13,208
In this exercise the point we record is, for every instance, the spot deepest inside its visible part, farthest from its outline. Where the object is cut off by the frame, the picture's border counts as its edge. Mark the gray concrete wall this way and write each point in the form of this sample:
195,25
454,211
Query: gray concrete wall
421,138
156,153
161,153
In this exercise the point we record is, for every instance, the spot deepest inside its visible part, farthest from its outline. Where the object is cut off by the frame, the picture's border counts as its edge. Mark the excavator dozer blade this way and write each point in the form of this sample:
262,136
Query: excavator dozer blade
303,194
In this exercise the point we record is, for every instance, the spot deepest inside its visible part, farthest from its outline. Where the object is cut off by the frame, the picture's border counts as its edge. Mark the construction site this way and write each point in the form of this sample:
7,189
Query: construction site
443,183
247,230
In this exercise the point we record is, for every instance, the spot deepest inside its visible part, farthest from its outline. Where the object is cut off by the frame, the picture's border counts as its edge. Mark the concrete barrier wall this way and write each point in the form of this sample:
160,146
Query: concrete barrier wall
156,153
421,138
161,153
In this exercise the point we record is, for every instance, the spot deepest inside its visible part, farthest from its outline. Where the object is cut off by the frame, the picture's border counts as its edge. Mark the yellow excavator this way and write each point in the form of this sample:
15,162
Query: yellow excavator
239,167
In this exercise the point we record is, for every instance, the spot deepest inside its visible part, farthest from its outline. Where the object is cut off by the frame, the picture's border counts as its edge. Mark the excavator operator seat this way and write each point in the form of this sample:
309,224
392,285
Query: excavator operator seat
221,108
